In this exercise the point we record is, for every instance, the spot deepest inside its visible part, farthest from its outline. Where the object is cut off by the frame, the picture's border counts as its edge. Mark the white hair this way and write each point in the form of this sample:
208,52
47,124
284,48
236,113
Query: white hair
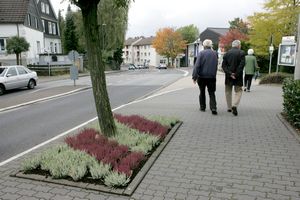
207,43
236,43
250,51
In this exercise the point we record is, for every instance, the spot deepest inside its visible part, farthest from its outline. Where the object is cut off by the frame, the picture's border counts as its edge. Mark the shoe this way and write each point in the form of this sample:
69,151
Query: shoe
228,110
234,111
245,90
214,112
202,109
248,90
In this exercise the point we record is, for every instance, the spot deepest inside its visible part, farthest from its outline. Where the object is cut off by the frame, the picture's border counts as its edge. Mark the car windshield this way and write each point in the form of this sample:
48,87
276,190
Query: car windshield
2,71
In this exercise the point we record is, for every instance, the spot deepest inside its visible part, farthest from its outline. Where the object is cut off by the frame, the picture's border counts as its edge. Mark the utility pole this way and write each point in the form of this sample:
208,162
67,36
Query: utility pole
297,66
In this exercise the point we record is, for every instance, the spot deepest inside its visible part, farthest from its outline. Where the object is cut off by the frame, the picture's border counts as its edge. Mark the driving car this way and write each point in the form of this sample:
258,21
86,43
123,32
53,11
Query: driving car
17,76
162,66
132,67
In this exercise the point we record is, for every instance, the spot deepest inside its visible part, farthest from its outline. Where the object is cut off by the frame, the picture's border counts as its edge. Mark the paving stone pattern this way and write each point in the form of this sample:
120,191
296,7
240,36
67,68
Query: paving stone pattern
249,157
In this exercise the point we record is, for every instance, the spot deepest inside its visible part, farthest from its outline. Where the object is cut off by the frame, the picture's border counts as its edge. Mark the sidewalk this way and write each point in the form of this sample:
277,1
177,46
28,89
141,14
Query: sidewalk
252,156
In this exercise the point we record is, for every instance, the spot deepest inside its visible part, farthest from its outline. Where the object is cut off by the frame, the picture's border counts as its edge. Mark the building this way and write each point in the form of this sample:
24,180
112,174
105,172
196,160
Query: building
213,34
140,51
36,21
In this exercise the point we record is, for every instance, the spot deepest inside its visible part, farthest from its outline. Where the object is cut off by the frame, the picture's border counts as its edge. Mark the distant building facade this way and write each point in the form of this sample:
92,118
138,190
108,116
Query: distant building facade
193,49
35,20
140,51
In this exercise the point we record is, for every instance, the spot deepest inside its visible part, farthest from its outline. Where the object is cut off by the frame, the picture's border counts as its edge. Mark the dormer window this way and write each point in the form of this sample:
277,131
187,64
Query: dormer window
47,8
43,7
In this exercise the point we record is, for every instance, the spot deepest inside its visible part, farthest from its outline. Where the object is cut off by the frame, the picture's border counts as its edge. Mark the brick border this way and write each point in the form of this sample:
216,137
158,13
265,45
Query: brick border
128,191
289,127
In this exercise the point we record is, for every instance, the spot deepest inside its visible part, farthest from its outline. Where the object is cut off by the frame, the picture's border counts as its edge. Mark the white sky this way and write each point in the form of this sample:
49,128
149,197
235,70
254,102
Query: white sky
147,16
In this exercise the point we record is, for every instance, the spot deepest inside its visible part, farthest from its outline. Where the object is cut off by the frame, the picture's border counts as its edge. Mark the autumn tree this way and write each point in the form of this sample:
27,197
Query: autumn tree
96,65
17,45
169,43
280,19
189,33
230,36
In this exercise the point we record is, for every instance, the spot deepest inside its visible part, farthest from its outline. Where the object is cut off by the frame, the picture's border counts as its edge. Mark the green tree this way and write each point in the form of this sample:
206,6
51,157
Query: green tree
70,34
280,19
61,25
96,65
17,45
189,33
240,25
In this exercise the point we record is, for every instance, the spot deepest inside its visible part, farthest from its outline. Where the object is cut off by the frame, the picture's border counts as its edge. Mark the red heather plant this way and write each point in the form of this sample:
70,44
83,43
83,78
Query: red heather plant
143,125
106,151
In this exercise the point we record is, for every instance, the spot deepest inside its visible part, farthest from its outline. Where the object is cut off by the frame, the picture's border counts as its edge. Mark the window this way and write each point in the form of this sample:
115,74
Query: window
50,27
21,70
54,28
43,24
47,8
36,23
149,54
29,20
55,48
51,47
2,45
38,46
12,71
43,7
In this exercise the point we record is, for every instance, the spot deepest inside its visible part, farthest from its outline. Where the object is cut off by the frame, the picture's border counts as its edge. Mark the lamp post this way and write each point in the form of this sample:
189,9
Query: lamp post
271,49
47,51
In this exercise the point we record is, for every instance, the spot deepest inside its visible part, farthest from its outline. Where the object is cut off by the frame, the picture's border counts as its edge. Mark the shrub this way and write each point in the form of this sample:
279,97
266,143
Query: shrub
274,78
114,179
143,125
104,150
291,100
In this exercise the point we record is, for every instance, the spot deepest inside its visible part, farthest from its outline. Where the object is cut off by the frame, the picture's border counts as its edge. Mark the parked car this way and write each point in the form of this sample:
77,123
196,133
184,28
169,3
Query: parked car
18,76
162,66
132,67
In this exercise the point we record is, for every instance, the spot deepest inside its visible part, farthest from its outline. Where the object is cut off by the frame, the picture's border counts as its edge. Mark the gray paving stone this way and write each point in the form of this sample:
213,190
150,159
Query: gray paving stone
61,197
9,196
25,192
60,191
43,195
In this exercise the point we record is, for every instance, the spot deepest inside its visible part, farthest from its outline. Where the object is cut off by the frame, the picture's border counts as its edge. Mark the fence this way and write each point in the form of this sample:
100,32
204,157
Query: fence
52,70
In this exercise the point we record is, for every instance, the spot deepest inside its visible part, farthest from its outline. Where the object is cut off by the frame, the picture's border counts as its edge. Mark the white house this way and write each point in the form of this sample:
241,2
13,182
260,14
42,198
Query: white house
36,21
141,52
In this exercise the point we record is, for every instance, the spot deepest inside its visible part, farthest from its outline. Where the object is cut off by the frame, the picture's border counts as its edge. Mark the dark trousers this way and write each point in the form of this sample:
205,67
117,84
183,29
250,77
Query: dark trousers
248,81
210,83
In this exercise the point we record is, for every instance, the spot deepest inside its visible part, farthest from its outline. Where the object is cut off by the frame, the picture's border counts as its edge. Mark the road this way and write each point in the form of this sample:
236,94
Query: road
27,126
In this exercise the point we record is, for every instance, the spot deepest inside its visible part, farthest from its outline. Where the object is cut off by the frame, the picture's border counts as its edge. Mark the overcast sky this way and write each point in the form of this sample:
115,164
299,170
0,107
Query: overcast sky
147,16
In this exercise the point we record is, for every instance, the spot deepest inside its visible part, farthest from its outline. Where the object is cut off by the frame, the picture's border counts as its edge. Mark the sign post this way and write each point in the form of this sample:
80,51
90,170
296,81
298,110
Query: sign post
287,52
73,56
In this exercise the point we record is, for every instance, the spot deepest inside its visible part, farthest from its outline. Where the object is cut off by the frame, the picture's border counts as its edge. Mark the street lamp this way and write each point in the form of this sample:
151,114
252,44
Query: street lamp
48,52
271,49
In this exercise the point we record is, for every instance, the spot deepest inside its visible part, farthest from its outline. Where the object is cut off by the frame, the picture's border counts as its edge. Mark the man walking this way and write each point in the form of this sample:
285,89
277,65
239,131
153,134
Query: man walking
233,64
204,73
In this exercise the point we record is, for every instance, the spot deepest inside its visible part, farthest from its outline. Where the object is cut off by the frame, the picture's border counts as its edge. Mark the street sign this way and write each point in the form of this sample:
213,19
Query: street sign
73,55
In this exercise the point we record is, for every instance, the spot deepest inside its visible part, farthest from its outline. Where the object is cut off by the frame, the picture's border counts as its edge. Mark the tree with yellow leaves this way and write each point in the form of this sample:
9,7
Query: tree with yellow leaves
169,43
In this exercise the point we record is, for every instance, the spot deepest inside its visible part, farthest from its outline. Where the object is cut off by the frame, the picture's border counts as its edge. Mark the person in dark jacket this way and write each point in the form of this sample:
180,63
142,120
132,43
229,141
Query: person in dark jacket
233,65
204,74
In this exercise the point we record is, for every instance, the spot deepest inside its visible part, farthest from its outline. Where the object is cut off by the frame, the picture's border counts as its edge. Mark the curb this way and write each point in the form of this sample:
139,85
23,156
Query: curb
290,128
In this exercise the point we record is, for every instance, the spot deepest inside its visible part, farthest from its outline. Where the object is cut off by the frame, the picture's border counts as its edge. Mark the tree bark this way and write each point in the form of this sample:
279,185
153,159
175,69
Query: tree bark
96,65
18,58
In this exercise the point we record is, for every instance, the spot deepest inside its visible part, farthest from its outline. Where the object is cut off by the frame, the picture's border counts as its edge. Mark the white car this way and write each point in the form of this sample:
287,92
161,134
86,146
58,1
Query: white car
18,76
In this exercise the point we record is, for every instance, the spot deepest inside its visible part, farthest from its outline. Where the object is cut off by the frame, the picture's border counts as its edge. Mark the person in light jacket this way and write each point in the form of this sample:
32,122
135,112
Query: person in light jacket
250,68
233,65
204,74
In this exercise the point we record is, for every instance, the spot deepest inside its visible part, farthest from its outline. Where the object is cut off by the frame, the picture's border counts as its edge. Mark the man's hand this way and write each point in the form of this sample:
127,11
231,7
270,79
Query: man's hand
232,75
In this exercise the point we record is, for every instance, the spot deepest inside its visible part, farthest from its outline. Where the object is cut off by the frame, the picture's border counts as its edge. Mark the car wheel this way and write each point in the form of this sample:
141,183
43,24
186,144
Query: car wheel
31,84
2,90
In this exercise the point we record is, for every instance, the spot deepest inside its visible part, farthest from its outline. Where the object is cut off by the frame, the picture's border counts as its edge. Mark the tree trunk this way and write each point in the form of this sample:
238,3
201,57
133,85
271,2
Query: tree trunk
18,58
96,65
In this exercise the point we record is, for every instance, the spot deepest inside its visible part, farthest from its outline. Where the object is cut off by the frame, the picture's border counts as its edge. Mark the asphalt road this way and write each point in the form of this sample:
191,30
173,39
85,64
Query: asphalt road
25,127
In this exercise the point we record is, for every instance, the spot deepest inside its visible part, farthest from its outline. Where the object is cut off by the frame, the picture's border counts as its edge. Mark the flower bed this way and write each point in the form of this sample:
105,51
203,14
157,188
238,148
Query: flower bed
91,156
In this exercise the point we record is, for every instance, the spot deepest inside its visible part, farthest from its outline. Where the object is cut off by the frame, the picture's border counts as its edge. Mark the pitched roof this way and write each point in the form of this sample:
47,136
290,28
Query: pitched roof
13,11
129,41
220,31
145,41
